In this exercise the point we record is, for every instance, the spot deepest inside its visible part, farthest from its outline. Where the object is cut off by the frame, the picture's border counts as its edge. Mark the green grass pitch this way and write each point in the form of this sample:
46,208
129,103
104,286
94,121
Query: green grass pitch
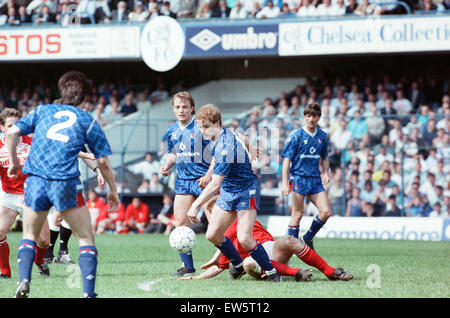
141,266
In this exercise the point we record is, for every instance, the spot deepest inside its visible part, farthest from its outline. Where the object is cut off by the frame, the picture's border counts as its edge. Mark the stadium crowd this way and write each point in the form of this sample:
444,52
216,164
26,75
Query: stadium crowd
63,12
388,139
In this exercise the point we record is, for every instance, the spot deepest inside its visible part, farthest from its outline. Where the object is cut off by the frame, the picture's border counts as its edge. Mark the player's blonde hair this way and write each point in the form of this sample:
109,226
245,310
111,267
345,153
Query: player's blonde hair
7,113
209,112
185,96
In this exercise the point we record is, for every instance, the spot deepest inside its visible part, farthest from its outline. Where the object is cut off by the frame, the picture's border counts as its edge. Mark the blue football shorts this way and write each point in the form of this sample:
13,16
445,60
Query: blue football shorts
247,199
307,185
41,194
187,187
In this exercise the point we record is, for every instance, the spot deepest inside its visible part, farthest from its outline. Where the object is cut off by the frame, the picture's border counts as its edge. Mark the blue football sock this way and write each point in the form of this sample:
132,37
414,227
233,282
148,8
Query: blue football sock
87,260
230,252
259,254
187,260
293,230
25,259
315,227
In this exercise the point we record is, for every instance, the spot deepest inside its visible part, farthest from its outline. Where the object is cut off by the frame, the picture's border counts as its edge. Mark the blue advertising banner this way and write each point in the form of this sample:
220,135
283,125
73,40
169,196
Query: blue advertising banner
231,40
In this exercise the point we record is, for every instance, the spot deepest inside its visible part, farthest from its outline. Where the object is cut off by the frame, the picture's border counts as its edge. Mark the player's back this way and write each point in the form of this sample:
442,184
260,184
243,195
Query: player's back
233,161
60,131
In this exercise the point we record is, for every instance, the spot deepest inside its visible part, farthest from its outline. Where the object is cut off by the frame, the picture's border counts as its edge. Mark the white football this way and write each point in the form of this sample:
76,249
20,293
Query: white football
182,239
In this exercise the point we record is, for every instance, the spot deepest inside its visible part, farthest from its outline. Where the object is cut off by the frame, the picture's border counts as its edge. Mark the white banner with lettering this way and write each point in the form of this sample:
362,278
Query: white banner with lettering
371,35
394,228
69,43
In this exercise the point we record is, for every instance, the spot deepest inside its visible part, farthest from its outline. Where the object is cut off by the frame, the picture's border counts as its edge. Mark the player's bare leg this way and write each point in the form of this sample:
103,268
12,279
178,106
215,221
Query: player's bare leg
7,218
42,245
181,205
296,214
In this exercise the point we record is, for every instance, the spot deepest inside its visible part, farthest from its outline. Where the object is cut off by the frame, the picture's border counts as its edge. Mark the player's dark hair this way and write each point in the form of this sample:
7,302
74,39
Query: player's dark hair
73,87
185,96
313,109
8,112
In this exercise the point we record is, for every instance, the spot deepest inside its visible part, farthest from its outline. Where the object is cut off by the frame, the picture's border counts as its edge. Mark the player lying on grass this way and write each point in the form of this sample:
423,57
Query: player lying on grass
280,252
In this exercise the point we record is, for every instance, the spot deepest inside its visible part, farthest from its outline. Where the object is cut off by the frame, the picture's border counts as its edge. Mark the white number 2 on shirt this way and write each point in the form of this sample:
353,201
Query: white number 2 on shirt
53,132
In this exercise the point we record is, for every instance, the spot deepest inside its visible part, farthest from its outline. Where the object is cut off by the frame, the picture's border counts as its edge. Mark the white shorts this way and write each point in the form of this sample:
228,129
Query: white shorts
14,202
268,246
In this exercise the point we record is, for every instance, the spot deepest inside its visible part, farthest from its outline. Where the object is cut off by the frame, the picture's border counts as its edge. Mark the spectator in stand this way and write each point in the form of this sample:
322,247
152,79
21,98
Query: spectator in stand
443,6
428,6
35,7
155,185
146,167
336,193
341,136
159,94
268,11
429,188
351,7
137,216
358,126
204,11
143,103
238,12
45,16
366,8
95,204
166,10
144,187
354,205
367,198
338,8
414,208
285,11
429,132
120,15
139,14
438,211
111,221
128,107
380,199
325,8
111,112
392,208
187,9
222,11
416,95
153,10
402,105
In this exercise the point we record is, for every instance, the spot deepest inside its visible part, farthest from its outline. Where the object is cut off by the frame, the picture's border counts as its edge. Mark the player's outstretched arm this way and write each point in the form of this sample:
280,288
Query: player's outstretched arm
12,140
203,181
285,189
170,162
325,169
211,272
112,197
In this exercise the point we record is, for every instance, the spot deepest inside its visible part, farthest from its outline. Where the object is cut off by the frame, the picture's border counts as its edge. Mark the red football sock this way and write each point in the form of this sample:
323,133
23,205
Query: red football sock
283,269
40,253
4,257
310,257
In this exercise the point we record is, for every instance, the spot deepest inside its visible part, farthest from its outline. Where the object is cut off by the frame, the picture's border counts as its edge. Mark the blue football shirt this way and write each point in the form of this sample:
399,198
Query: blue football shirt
60,132
232,161
192,150
305,151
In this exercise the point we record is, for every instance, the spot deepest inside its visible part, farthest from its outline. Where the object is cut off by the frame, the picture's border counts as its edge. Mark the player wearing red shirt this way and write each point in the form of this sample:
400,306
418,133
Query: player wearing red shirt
137,215
279,251
111,220
13,197
95,205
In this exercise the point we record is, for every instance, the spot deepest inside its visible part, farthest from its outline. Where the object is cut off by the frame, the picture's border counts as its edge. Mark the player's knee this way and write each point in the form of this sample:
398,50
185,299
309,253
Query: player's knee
246,241
325,214
213,238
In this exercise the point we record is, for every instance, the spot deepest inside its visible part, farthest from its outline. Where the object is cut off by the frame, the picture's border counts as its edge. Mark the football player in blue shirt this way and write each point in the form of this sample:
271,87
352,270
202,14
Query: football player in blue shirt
305,155
239,195
60,131
191,153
